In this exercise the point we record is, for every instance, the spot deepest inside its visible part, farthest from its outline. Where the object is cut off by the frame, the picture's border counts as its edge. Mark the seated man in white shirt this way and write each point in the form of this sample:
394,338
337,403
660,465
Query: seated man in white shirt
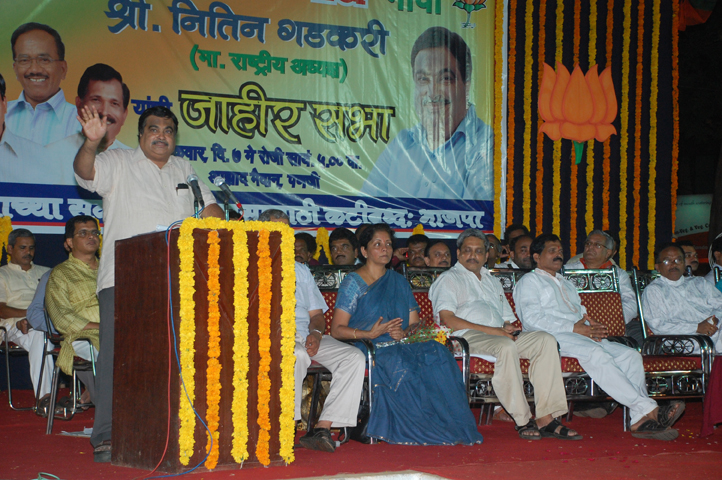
18,282
345,362
471,302
599,248
678,305
546,301
519,256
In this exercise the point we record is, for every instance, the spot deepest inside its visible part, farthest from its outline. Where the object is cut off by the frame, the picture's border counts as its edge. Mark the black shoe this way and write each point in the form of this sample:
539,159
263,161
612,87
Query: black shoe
319,440
101,453
596,410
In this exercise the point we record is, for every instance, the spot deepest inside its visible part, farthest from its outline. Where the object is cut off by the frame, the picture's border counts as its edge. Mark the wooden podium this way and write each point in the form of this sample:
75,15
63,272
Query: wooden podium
144,395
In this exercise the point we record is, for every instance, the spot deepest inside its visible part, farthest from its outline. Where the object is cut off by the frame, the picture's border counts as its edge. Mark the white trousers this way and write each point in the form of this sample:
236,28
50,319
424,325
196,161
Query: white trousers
614,367
33,344
347,365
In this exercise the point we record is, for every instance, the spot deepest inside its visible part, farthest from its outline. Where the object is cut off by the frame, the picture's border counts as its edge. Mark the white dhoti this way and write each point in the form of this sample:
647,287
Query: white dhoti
617,369
33,342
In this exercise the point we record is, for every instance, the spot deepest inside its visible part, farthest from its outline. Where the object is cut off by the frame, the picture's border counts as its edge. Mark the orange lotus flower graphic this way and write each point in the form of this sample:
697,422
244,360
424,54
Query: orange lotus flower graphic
577,107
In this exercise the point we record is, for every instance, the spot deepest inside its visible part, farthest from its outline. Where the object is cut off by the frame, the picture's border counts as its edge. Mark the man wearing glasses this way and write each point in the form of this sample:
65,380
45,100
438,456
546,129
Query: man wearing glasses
71,300
678,305
598,252
41,113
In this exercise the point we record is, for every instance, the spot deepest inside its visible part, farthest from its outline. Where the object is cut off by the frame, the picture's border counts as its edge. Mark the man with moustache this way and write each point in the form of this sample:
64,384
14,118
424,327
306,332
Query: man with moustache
71,300
437,255
547,302
470,301
18,282
519,256
449,153
344,247
41,113
678,305
305,249
140,190
415,249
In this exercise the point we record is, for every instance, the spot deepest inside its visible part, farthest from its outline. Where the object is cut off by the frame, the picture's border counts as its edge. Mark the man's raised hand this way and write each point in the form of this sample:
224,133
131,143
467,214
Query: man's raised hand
94,126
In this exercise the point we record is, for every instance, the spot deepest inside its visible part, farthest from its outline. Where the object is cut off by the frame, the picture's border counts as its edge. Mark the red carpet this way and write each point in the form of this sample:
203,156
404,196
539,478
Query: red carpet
606,452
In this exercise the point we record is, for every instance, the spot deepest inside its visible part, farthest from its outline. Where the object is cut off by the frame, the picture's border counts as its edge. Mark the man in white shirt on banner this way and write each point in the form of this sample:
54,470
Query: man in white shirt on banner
678,305
470,301
546,301
41,113
345,362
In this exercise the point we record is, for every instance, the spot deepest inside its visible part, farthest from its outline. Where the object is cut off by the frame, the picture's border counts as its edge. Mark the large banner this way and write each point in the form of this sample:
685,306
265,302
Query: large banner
339,112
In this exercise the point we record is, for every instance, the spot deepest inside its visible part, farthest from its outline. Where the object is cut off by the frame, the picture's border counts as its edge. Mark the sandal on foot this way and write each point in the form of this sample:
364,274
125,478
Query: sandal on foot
526,431
669,414
319,440
555,429
101,453
652,430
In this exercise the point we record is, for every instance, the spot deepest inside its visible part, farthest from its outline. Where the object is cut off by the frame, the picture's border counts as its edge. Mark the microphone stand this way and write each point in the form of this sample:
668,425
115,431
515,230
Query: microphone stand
195,207
225,209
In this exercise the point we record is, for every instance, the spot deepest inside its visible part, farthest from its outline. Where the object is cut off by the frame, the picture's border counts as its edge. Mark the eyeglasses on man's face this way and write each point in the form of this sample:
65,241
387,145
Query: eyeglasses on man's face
88,233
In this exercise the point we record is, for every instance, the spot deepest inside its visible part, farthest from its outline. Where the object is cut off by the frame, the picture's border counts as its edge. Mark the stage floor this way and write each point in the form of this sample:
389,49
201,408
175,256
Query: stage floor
606,452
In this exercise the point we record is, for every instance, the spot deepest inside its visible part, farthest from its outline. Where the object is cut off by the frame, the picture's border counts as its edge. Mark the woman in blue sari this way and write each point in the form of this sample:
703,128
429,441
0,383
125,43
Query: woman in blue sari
418,390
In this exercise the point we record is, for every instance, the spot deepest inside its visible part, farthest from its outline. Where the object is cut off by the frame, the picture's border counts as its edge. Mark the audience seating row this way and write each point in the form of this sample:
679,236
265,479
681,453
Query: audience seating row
673,369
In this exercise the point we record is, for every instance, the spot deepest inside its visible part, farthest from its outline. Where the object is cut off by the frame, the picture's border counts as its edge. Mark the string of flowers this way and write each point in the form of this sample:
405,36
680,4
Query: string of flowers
6,227
607,147
322,242
528,70
652,185
511,99
675,108
213,371
264,347
498,112
574,175
288,334
539,188
624,134
557,157
186,331
589,211
239,449
638,131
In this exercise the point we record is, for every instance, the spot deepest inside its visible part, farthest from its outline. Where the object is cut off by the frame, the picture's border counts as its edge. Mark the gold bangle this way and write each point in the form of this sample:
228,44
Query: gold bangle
354,333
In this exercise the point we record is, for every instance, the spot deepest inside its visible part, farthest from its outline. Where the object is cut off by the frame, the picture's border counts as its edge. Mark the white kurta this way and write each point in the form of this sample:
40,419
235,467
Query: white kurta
552,304
626,291
677,308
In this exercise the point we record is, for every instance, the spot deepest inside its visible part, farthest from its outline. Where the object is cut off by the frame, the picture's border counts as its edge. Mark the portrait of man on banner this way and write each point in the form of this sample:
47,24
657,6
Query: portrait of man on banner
449,153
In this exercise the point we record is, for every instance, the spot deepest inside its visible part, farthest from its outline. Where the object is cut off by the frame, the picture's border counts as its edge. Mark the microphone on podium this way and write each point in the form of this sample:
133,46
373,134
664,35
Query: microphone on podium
192,180
220,182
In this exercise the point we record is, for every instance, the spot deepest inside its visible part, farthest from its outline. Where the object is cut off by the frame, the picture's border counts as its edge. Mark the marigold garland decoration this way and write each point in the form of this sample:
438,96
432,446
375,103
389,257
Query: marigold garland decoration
636,195
239,449
511,99
539,188
606,162
589,211
187,334
652,182
213,371
528,71
675,109
322,242
6,227
498,116
557,156
264,348
624,135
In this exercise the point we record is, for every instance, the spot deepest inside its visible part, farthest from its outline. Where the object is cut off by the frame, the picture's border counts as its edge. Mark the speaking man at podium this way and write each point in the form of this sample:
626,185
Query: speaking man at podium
141,189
